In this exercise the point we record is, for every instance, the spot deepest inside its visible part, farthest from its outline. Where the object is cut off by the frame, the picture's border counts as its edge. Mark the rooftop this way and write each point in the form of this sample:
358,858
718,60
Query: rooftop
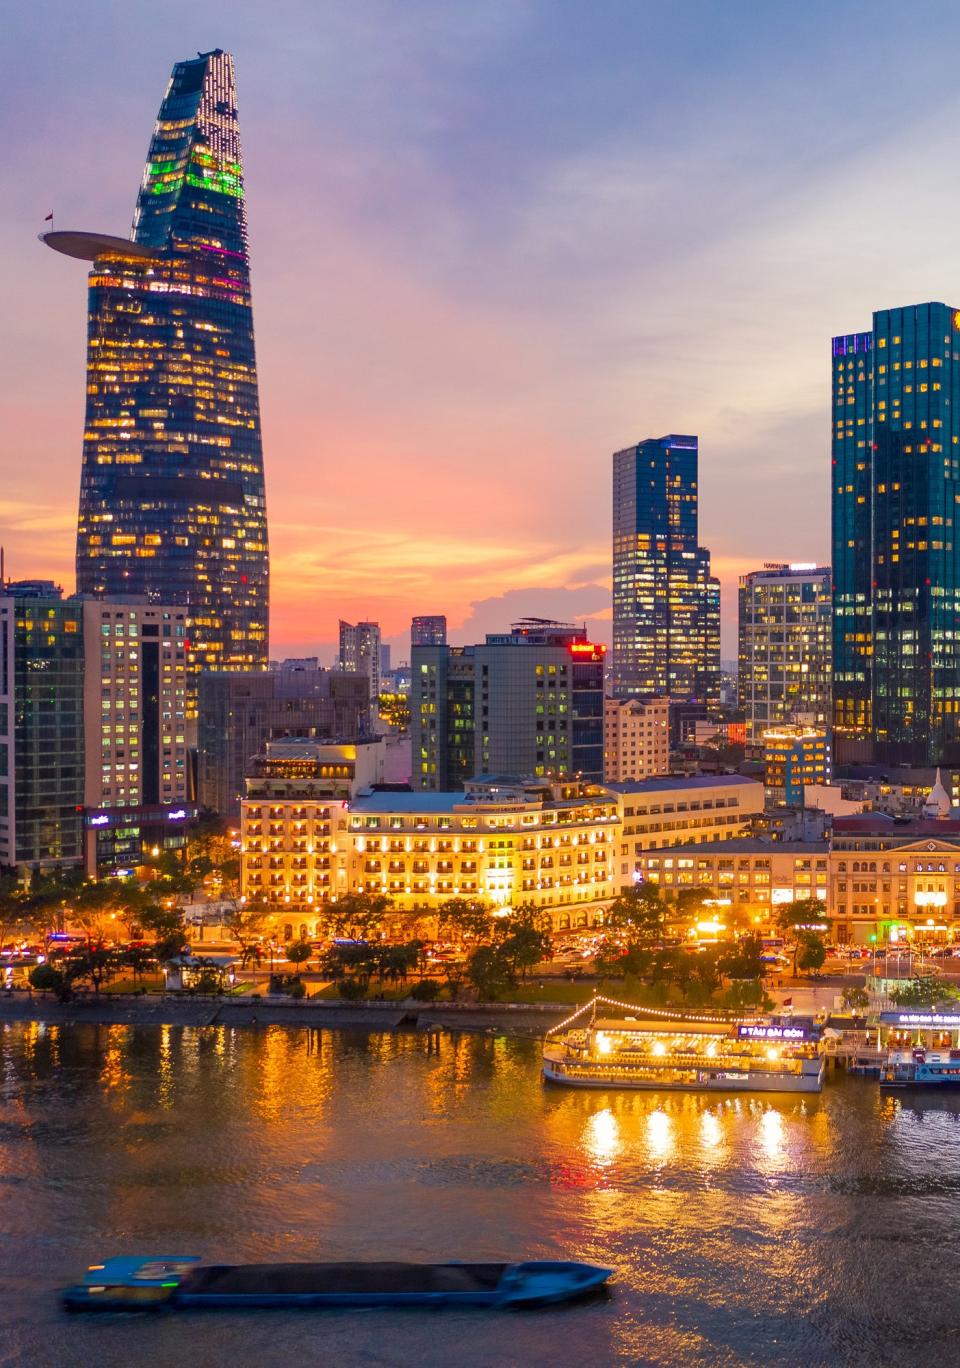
679,782
744,845
882,824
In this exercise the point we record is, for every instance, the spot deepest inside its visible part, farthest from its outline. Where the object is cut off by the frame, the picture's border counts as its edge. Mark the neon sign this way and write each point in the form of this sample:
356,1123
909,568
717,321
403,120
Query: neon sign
771,1032
177,816
587,650
101,820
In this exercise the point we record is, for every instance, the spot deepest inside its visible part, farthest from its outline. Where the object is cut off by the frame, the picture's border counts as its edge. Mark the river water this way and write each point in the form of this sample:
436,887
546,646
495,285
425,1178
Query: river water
753,1231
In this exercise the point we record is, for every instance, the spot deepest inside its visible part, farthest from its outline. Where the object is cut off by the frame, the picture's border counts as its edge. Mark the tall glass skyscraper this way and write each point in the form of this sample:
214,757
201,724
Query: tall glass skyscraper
172,493
896,501
666,604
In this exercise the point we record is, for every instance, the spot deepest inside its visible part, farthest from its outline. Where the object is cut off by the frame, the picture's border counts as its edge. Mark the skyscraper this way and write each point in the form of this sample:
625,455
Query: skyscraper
172,495
786,621
666,604
896,566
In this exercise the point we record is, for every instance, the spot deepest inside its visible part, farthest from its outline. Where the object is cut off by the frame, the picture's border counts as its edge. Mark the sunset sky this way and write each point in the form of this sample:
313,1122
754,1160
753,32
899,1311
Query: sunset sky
492,242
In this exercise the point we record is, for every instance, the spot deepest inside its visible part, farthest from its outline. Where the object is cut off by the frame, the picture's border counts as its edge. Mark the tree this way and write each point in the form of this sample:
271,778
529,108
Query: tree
523,937
46,978
394,962
357,915
743,959
690,902
299,952
425,990
805,912
138,959
706,969
245,918
489,972
352,989
856,998
638,913
349,961
925,991
810,952
467,918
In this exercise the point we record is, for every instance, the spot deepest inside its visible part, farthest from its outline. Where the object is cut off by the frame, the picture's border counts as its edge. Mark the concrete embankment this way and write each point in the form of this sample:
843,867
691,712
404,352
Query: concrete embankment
116,1010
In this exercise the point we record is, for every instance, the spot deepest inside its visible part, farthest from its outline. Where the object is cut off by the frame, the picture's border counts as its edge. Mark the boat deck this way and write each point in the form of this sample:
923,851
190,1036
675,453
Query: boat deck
305,1279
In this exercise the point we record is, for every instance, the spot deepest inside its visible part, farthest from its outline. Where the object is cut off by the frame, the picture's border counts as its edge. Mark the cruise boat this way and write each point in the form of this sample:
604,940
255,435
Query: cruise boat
921,1069
641,1047
922,1048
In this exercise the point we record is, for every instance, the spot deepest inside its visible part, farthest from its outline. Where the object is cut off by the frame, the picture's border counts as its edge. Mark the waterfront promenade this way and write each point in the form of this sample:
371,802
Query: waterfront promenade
115,1009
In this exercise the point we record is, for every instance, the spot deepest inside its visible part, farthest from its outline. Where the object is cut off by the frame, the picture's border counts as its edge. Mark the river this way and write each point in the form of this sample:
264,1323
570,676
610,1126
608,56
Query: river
754,1231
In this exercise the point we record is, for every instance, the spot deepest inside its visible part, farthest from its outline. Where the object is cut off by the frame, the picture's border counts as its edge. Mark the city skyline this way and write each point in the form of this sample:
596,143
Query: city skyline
537,343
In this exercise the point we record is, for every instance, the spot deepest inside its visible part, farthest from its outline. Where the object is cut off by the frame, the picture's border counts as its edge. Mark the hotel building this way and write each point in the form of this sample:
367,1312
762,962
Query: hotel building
502,841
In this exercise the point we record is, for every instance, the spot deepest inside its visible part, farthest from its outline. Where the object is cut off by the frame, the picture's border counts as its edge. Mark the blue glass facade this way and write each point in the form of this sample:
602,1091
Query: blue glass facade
172,496
666,604
895,496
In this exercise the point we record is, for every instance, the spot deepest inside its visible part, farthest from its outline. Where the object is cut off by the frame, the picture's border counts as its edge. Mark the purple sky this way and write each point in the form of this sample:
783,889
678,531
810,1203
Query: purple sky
491,244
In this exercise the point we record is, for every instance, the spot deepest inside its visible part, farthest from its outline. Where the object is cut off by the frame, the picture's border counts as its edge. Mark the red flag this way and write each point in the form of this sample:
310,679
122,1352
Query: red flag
48,219
787,1002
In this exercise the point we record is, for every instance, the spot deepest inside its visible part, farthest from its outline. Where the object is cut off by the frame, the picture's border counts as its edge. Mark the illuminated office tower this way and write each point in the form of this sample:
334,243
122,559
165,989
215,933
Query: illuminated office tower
786,616
666,604
172,496
896,560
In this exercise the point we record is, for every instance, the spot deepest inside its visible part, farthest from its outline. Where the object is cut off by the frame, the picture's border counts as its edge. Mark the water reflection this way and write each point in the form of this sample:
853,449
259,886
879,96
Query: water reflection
660,1137
601,1137
743,1228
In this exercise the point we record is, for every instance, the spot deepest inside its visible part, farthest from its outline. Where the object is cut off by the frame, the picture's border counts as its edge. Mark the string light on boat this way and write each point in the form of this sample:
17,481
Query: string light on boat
664,1014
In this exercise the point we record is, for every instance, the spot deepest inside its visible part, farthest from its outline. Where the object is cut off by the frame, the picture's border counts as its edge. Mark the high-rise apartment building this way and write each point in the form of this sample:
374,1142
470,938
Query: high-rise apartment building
360,647
896,556
430,630
137,780
172,500
666,604
636,738
241,711
41,728
786,624
525,703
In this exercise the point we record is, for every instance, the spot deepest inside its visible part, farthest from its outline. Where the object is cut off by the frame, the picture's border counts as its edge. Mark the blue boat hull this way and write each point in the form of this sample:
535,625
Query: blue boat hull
314,1286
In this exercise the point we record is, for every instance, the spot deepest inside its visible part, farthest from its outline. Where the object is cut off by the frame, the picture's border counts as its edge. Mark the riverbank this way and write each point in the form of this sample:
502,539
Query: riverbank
146,1010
